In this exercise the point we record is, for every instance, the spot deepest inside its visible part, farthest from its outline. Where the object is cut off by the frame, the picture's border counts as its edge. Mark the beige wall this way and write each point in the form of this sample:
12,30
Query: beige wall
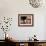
11,8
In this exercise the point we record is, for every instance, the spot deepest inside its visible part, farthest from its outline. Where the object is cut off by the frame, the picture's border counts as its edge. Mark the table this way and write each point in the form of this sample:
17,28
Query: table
27,43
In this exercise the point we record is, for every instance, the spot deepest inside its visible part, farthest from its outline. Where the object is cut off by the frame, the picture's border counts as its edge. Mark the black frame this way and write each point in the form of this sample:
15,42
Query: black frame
32,21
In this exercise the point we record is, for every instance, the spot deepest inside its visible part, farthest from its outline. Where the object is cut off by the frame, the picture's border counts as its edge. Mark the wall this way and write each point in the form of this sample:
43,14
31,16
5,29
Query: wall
11,8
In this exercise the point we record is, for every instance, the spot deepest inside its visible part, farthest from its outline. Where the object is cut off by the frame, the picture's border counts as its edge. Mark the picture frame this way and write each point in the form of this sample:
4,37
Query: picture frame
25,20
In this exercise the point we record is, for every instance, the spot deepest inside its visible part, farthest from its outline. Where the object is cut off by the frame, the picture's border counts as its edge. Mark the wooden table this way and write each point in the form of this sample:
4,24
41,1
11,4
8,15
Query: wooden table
27,42
30,43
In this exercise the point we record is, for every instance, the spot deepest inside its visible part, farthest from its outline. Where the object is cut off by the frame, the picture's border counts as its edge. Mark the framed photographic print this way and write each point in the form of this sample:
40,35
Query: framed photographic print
25,20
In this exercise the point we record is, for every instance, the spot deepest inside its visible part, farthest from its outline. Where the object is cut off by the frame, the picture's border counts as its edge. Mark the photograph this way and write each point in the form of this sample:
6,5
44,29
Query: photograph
25,19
